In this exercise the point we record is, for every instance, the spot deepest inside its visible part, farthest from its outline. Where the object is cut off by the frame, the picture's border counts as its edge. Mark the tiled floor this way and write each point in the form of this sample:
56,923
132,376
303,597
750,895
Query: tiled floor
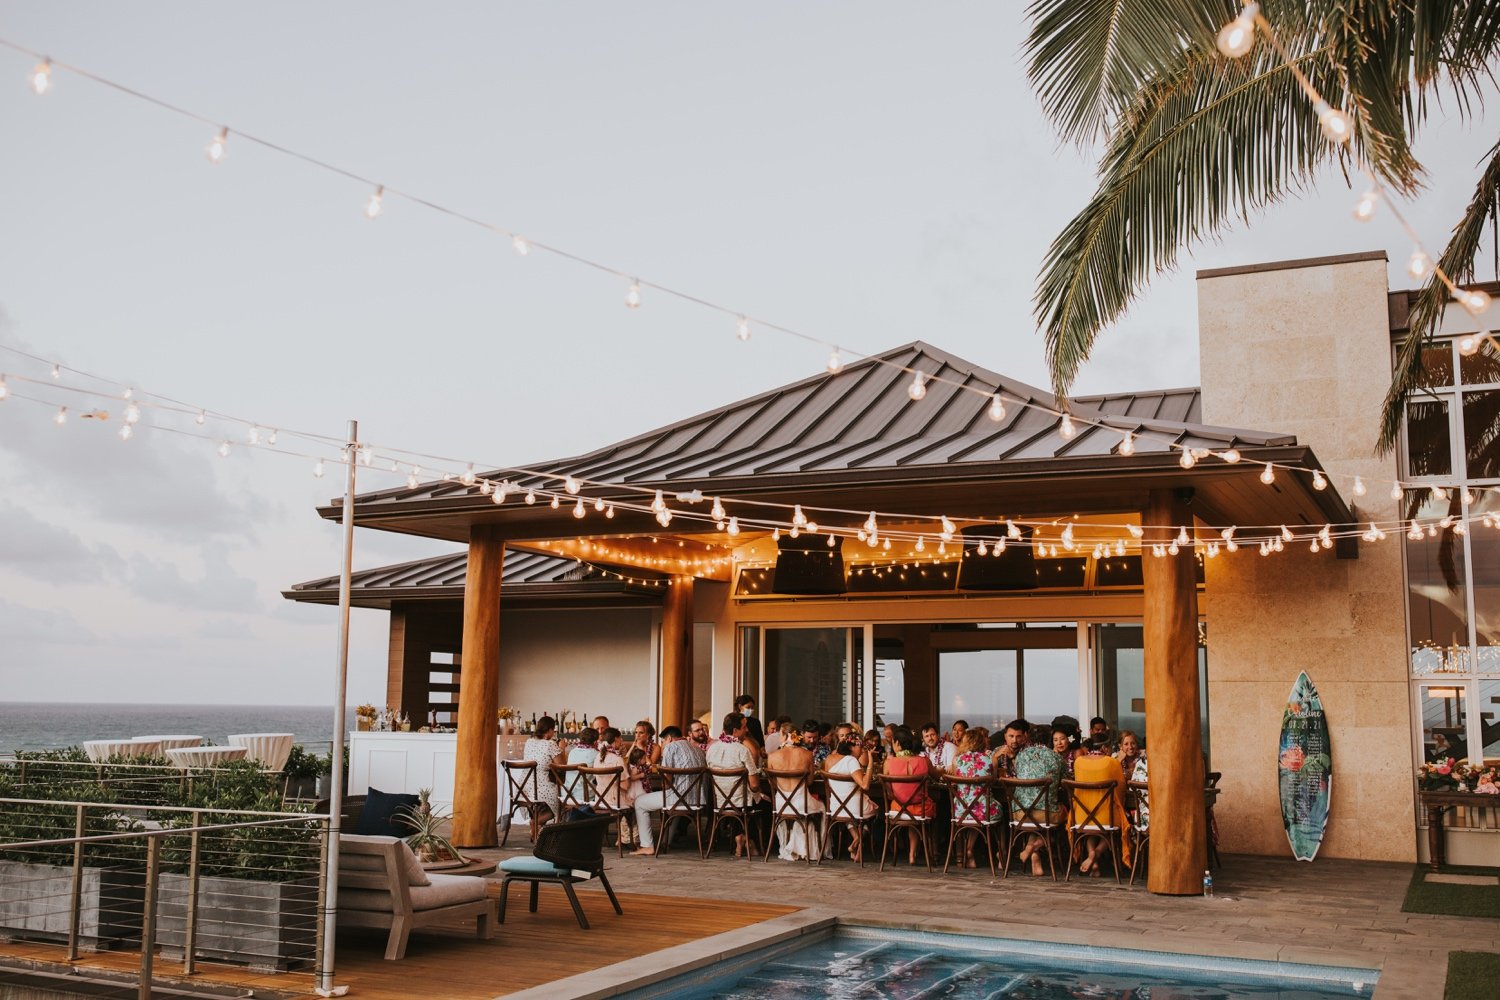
1326,912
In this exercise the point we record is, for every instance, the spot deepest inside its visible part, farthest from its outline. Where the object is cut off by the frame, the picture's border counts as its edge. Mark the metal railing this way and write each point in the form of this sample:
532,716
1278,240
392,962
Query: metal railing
233,886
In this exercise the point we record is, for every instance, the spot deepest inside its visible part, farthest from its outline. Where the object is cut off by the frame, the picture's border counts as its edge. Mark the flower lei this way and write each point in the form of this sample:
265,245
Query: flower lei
904,753
727,738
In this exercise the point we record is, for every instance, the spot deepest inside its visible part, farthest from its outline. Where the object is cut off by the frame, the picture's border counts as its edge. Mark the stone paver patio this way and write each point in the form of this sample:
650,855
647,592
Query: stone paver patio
1329,912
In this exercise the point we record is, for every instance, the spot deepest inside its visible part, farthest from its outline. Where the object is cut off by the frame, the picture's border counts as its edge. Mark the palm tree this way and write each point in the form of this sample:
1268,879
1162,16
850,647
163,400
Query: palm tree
1194,140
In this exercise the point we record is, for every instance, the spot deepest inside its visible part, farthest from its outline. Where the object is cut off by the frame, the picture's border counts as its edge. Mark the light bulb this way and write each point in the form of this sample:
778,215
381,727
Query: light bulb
556,503
1238,36
997,408
1127,445
948,528
486,487
125,431
633,295
1067,429
519,244
609,511
1473,300
375,205
1364,209
1336,125
1268,474
57,371
1319,483
411,481
531,496
1187,461
272,441
578,510
1468,345
223,449
918,387
734,526
128,393
983,550
1359,487
40,80
201,417
742,329
61,417
571,485
1420,265
921,545
1395,491
4,390
1231,456
468,477
599,504
318,470
717,513
132,413
1286,534
835,363
218,147
798,518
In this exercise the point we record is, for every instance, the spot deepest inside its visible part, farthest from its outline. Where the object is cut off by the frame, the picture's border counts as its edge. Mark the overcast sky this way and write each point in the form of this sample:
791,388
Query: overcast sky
870,174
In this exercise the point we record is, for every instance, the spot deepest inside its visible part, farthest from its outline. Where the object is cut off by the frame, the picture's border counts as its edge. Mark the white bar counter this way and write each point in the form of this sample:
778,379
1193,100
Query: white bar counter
407,762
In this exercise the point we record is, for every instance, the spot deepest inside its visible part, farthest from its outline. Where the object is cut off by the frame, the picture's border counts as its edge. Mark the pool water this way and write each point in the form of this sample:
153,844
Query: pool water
879,965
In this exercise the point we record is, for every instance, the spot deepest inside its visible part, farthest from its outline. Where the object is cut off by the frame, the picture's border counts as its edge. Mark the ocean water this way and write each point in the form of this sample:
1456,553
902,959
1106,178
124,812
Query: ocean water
50,725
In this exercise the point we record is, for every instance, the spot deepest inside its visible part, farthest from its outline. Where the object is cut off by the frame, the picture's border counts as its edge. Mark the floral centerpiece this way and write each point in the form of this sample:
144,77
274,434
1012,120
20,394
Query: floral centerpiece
364,716
1457,775
507,716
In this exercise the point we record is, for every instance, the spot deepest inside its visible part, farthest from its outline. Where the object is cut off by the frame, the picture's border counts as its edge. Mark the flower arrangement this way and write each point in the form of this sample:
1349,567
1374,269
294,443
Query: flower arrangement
508,712
366,712
1457,775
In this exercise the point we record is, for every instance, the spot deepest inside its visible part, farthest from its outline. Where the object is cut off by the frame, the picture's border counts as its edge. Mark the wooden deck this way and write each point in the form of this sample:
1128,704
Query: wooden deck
529,949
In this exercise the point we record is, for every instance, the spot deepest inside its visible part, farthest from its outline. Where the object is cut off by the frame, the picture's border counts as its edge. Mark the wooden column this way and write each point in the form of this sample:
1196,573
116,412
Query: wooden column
476,793
1173,727
677,654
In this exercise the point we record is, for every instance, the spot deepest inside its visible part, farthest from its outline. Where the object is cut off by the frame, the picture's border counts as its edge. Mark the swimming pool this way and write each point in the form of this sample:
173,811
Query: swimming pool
857,962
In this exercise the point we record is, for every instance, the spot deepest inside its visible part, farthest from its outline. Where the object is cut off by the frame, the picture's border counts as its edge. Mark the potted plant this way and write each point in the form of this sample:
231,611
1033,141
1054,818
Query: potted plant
303,771
257,887
427,840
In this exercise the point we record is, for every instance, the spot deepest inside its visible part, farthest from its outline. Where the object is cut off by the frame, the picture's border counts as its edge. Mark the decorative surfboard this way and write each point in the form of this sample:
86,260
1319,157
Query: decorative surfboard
1305,768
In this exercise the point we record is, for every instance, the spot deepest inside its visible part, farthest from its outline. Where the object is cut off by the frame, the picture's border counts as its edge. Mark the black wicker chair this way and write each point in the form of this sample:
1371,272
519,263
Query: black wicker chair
565,854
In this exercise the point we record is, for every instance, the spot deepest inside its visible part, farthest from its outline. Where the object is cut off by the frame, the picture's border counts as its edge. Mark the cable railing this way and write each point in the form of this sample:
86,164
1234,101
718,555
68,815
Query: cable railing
173,884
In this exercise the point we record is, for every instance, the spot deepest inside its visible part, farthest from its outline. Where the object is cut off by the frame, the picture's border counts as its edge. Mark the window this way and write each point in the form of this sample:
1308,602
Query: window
1120,661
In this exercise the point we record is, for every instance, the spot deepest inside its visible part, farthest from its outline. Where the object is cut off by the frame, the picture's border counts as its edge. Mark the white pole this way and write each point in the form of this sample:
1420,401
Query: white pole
341,687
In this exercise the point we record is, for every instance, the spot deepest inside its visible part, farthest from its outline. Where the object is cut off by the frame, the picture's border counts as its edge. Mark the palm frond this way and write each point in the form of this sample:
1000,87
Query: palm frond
1207,145
1088,58
1457,261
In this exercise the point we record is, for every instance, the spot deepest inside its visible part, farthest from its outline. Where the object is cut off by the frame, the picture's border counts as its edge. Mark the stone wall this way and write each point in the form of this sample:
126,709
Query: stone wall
1305,349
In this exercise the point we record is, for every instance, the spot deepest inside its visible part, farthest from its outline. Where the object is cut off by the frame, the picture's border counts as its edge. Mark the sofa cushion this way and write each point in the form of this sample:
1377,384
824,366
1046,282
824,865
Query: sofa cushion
383,814
411,868
446,890
528,865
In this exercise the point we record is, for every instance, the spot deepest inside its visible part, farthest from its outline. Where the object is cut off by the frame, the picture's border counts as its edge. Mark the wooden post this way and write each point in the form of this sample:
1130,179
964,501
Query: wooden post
1174,729
677,654
476,791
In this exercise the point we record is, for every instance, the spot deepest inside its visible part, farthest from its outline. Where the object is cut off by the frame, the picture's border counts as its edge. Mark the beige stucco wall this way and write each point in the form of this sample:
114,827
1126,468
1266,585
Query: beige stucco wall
1306,351
602,661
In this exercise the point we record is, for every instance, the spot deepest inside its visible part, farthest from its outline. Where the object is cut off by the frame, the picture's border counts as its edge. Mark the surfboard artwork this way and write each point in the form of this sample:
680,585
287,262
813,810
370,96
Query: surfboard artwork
1305,768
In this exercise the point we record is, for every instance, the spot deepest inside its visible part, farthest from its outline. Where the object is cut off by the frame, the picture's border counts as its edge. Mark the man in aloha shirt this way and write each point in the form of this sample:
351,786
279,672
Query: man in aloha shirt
677,753
938,751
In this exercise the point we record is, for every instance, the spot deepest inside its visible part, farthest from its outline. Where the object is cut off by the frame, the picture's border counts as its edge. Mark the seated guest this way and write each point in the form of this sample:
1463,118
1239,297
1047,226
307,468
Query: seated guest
1011,741
1098,767
1129,752
600,724
1099,729
960,726
698,733
812,738
584,752
730,752
1041,804
776,732
795,757
970,801
1063,746
610,756
872,745
677,754
844,760
888,738
645,741
938,751
908,763
543,748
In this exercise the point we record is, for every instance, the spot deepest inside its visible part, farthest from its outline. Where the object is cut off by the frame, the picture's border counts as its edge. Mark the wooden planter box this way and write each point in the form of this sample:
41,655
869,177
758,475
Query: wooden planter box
34,904
269,926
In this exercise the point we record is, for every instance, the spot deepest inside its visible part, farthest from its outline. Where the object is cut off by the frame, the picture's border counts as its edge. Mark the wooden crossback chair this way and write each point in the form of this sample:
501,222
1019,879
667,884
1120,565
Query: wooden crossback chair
1032,818
844,810
900,814
603,792
733,804
573,789
785,810
565,854
521,781
974,807
1138,794
678,801
1100,819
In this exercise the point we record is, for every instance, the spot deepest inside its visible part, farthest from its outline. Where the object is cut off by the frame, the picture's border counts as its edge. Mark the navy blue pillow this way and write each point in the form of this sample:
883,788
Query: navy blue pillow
384,814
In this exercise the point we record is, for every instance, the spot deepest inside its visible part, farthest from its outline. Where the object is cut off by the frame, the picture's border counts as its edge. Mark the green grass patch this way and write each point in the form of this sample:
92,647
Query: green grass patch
1453,900
1472,975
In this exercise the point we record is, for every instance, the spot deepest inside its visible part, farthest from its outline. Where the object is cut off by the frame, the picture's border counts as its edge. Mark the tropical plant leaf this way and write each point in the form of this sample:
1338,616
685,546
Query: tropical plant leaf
1088,58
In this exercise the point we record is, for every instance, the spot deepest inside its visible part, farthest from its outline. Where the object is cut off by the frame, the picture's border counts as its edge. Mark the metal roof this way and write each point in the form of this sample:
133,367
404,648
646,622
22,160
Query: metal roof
858,440
526,575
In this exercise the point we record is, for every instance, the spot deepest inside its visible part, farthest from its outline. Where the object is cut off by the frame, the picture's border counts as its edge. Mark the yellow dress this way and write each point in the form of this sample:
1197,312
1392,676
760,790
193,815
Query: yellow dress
1096,767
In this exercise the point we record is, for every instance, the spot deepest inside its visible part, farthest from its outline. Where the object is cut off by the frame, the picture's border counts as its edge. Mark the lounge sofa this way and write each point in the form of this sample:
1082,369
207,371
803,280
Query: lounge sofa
382,885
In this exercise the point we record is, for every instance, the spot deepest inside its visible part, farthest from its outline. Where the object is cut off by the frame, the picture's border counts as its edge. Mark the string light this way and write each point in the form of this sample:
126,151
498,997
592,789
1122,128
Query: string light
1468,345
1238,36
1337,126
126,431
578,510
918,388
1359,487
1318,482
318,470
519,244
633,295
40,80
555,502
571,485
1364,209
1187,461
218,147
61,417
201,418
223,449
57,371
1232,456
1268,474
4,389
742,329
1475,301
376,204
997,408
835,362
1066,428
1127,445
1395,491
1419,265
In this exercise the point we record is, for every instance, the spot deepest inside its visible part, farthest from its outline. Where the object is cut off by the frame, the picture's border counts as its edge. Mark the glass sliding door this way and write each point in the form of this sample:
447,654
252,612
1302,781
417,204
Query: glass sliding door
979,686
1024,670
1120,670
806,673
